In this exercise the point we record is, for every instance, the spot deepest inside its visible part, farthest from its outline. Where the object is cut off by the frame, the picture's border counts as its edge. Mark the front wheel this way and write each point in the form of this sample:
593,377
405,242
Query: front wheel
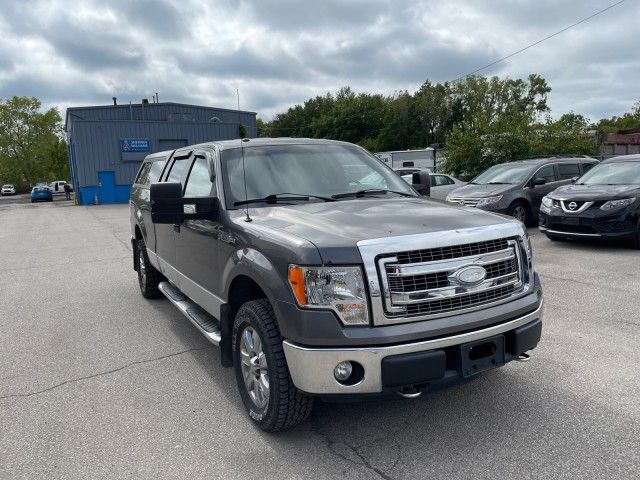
268,393
148,277
520,211
636,238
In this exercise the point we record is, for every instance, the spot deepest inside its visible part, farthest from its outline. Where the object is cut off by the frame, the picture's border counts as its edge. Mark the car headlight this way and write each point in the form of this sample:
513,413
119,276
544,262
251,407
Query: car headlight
340,289
547,202
611,204
489,201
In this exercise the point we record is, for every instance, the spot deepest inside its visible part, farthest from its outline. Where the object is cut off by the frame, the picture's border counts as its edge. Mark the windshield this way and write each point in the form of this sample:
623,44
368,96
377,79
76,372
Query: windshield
507,173
320,170
622,173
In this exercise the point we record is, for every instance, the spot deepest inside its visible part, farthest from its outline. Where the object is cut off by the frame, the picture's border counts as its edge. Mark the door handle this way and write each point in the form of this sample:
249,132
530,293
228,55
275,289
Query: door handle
176,227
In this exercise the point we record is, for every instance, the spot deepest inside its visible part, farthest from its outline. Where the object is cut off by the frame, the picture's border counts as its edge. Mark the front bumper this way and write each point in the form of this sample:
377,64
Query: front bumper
593,223
312,368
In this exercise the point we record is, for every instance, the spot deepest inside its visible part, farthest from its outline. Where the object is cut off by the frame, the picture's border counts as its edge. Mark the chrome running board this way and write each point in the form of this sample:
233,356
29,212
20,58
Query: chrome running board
202,320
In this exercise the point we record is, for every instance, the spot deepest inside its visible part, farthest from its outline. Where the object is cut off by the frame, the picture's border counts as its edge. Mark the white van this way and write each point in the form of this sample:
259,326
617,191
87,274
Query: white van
58,186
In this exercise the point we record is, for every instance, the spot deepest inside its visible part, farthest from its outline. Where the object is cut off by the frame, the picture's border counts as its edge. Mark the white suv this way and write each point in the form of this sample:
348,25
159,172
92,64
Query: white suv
8,189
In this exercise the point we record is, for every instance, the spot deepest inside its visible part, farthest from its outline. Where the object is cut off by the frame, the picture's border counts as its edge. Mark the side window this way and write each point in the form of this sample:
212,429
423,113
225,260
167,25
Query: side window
177,169
567,171
547,172
156,170
199,184
143,174
587,166
441,180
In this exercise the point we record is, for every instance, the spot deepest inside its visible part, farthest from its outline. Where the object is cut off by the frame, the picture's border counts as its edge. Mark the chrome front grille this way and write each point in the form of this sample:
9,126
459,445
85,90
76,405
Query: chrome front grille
466,202
431,282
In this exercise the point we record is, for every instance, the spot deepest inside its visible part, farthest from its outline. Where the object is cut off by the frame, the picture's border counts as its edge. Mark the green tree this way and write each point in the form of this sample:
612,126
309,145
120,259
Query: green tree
31,145
627,121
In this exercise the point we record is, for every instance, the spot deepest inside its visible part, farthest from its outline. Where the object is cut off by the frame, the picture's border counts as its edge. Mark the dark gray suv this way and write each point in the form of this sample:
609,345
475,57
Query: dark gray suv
516,188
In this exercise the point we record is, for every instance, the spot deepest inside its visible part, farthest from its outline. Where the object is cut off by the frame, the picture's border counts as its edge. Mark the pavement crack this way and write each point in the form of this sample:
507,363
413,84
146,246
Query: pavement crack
108,372
333,446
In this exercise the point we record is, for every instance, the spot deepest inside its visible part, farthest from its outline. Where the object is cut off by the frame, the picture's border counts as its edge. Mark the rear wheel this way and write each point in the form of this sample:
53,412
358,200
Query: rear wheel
636,238
521,211
268,393
148,276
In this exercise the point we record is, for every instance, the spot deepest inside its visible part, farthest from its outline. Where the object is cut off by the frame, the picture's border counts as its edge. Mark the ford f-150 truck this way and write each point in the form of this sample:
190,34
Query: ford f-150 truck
319,272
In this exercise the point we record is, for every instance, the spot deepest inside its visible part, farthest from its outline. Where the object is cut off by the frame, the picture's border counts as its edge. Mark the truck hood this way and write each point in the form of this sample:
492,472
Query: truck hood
592,193
479,191
336,228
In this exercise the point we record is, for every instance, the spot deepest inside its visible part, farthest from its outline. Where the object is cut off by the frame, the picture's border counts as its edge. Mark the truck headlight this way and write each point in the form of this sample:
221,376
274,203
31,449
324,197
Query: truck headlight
340,289
547,202
489,201
611,204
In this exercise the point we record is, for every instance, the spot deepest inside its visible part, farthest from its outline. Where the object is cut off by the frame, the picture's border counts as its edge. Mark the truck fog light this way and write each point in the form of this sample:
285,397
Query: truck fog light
343,370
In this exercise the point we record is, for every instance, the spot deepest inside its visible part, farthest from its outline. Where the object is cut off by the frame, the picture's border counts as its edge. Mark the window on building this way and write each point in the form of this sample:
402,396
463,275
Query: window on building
568,170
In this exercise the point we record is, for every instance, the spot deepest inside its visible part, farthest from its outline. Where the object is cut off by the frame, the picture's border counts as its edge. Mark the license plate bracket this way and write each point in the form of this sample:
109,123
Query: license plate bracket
482,355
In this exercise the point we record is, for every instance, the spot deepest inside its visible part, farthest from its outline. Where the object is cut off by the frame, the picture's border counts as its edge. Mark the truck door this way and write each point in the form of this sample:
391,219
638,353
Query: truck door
197,241
165,233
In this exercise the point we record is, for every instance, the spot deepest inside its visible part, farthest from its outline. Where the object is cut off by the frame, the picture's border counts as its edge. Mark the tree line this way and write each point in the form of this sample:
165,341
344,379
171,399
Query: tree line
482,121
32,145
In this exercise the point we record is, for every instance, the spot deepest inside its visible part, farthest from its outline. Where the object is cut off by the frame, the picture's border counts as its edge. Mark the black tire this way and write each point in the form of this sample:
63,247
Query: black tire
286,406
636,238
521,211
148,276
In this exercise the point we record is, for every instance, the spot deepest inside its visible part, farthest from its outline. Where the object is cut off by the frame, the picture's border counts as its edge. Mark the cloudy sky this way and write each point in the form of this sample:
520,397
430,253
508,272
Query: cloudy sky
278,53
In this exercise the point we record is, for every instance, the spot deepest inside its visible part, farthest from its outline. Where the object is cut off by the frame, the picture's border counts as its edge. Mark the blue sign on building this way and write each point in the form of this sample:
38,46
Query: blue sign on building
135,145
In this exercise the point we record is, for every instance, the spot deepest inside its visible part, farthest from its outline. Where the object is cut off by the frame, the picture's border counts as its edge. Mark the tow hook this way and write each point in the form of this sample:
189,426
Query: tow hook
409,392
523,357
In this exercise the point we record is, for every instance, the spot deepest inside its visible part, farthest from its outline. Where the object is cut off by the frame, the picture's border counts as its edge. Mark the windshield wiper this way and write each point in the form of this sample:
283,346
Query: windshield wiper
282,197
369,191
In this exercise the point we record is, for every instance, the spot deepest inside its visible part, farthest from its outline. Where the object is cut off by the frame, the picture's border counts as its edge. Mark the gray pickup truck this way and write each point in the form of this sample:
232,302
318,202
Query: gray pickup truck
319,272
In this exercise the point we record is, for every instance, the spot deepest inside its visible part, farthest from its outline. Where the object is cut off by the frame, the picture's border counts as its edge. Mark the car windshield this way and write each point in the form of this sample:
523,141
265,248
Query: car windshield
506,173
7,186
620,173
319,170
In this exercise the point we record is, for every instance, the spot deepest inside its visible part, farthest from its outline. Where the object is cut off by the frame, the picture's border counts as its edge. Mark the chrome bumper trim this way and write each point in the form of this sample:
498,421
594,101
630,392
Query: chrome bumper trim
312,368
569,234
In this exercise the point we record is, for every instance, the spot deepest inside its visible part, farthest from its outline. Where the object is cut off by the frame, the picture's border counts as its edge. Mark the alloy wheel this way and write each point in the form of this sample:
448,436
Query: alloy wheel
254,367
142,268
520,213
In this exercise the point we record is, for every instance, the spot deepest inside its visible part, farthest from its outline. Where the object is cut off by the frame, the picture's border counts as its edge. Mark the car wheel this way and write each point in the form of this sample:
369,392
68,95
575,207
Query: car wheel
521,211
148,276
268,393
636,238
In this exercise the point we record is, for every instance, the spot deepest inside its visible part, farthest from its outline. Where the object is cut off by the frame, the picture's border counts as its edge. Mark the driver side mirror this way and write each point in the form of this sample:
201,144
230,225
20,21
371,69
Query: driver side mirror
574,179
421,181
538,181
167,204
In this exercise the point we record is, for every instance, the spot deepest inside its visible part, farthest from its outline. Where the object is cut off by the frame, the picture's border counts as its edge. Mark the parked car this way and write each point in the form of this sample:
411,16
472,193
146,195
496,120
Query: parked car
603,203
516,188
313,285
58,186
8,189
441,183
41,194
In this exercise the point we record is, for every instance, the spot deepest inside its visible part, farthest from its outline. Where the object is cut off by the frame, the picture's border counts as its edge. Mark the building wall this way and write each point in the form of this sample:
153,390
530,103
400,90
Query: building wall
94,136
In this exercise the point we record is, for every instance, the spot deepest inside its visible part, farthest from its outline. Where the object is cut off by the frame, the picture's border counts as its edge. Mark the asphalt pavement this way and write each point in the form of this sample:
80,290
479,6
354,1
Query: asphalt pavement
97,382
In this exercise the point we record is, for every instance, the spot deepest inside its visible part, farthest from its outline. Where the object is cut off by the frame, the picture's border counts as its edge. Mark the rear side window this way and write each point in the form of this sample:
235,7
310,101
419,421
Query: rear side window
568,170
587,166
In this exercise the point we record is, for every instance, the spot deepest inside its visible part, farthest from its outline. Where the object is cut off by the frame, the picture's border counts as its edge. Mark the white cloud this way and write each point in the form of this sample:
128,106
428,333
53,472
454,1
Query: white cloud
281,52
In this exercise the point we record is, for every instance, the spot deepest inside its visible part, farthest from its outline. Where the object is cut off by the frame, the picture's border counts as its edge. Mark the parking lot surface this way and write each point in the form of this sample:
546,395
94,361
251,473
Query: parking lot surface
97,382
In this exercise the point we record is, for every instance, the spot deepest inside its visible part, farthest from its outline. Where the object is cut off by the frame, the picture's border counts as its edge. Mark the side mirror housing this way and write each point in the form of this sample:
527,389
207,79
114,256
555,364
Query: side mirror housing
538,181
166,203
421,181
574,179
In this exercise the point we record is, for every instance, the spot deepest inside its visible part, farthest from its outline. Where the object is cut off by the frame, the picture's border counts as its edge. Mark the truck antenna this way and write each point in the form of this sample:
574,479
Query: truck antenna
244,171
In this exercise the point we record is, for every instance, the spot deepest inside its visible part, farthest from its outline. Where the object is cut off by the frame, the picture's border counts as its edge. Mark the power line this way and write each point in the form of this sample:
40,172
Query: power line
540,41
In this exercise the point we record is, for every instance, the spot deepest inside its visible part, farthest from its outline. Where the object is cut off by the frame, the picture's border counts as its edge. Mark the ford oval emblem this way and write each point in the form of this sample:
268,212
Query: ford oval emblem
472,275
